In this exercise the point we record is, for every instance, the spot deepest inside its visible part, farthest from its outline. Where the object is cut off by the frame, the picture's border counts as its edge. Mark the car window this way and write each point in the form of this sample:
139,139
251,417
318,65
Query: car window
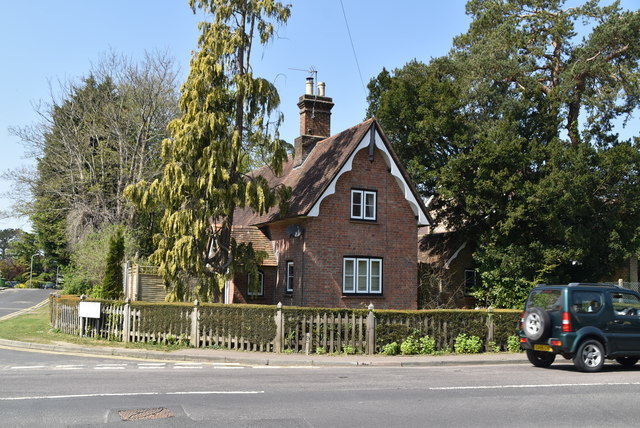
549,300
625,304
586,302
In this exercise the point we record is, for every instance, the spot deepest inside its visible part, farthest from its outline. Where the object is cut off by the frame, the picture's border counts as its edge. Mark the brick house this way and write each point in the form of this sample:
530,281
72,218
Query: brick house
350,236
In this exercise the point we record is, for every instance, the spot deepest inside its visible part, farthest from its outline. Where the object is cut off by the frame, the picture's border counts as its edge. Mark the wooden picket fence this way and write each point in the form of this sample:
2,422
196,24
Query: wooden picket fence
267,328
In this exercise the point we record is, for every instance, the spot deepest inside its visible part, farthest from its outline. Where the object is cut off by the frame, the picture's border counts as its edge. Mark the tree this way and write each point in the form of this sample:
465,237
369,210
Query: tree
6,237
112,284
534,172
96,137
227,116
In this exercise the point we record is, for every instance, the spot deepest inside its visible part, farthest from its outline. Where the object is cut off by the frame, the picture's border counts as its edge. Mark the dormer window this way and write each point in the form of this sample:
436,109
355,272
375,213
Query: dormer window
363,205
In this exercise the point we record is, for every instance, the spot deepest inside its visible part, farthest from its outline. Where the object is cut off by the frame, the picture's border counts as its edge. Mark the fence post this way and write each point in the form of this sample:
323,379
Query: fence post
82,319
126,321
490,328
371,331
195,330
279,330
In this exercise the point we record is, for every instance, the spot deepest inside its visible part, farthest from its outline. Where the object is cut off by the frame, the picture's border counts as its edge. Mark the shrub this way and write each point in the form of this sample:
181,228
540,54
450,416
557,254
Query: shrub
389,333
427,345
391,348
465,344
349,350
513,344
409,346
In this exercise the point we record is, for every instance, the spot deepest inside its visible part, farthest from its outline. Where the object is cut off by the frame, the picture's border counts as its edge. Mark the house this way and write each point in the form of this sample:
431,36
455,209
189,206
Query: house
350,236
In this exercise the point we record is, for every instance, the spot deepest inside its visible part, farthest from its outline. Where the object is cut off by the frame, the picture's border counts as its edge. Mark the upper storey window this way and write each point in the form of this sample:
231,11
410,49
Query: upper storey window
363,205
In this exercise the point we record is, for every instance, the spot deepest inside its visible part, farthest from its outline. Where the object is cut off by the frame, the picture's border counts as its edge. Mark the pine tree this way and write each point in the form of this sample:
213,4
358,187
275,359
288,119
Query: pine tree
112,284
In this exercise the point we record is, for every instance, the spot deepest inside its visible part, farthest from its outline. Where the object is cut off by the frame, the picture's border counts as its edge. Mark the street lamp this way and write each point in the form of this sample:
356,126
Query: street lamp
39,253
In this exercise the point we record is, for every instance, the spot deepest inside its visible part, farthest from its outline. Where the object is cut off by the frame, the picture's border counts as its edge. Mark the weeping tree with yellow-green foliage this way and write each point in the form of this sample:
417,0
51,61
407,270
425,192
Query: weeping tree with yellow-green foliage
228,119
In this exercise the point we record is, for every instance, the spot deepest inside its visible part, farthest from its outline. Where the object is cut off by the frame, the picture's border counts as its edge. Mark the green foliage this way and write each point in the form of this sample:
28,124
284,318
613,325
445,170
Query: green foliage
515,135
513,344
409,346
88,259
388,333
112,283
391,348
348,349
228,117
466,344
99,133
427,345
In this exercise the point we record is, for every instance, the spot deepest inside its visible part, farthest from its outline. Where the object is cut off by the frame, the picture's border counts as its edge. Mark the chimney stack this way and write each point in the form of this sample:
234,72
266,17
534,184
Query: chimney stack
315,120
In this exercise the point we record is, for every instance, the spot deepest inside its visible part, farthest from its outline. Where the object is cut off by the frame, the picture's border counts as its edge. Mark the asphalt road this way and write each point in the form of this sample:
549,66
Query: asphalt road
15,299
40,389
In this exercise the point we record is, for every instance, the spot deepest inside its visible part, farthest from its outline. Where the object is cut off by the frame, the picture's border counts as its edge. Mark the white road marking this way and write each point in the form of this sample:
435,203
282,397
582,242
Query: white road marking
549,385
70,367
127,394
27,367
152,366
187,366
110,367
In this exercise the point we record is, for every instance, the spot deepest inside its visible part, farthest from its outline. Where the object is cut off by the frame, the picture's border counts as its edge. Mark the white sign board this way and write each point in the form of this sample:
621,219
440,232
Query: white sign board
89,310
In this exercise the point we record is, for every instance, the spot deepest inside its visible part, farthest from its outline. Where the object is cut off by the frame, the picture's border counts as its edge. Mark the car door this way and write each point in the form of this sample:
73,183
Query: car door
624,326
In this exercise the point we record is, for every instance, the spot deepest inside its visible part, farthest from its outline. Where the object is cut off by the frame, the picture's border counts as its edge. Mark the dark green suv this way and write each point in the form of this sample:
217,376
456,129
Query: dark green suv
587,323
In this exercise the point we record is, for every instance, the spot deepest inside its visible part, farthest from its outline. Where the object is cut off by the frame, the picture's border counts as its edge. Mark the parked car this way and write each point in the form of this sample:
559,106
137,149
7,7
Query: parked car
49,285
586,323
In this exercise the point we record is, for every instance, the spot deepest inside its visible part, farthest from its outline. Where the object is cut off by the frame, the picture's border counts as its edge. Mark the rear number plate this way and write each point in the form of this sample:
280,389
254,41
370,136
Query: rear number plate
545,348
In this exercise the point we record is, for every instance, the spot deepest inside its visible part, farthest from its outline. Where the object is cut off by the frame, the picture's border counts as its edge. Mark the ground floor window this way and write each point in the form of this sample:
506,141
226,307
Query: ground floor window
362,275
256,288
289,277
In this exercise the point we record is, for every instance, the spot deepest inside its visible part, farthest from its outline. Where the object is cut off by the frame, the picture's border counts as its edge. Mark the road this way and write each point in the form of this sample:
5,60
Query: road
15,299
42,389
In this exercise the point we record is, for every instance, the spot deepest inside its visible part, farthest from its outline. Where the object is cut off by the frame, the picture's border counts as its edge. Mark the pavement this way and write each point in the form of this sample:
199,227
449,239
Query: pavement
269,358
272,359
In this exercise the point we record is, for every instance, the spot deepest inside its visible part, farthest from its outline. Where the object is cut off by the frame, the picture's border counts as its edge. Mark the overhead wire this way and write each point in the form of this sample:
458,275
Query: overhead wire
355,56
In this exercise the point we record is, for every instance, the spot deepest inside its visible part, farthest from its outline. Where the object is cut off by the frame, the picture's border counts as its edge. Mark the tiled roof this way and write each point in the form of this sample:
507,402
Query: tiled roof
260,242
309,180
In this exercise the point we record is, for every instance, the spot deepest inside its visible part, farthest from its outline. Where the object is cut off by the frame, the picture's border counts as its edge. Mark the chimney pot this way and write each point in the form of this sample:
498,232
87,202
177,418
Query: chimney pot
321,87
309,90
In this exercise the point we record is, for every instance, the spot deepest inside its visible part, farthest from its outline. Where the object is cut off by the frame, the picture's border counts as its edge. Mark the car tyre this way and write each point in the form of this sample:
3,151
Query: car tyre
627,361
540,358
590,356
536,324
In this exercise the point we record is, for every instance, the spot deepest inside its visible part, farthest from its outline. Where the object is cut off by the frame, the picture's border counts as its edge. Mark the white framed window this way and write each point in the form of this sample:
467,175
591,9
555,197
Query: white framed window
363,205
289,277
362,275
256,289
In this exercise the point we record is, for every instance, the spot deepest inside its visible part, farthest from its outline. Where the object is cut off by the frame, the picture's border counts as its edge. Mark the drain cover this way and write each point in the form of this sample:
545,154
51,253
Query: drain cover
145,414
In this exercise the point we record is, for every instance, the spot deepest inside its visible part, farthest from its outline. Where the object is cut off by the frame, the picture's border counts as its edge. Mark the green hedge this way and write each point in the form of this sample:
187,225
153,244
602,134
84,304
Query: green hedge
445,325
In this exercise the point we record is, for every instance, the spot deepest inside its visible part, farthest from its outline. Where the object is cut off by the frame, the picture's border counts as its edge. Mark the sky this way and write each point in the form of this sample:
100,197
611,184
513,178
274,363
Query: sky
44,42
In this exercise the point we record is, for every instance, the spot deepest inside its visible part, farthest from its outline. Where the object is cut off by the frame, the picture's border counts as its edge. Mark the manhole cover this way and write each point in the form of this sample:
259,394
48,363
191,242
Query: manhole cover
145,414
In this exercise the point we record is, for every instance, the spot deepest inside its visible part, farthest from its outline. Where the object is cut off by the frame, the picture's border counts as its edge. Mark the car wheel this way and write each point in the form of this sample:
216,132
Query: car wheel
540,359
627,361
590,356
536,324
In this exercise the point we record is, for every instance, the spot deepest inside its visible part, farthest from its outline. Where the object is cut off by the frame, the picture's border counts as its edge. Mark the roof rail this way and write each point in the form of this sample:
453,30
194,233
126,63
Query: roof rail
593,284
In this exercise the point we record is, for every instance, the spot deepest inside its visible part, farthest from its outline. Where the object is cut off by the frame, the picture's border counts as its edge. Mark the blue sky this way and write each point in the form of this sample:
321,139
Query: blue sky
44,41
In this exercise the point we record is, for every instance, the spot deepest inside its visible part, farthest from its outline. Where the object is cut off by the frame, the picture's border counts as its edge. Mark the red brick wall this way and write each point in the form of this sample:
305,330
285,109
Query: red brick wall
318,254
239,287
